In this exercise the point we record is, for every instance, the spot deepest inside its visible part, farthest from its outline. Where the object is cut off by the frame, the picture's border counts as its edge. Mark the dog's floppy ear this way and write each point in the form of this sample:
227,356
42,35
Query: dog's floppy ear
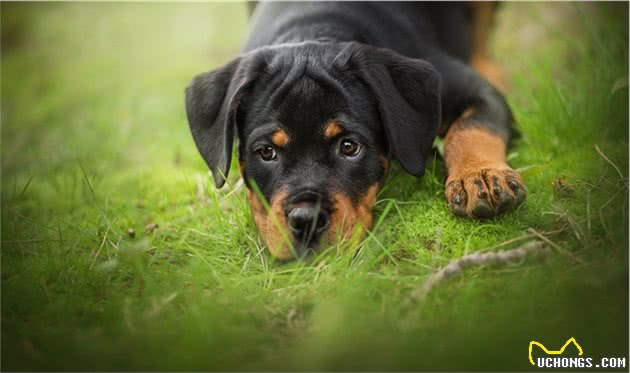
407,92
212,100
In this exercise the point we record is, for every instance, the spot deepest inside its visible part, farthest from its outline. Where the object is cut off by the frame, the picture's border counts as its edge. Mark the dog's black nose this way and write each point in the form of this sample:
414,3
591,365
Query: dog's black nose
307,222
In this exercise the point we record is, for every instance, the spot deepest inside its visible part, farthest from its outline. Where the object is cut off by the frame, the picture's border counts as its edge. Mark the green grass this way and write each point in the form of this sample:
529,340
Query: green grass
95,142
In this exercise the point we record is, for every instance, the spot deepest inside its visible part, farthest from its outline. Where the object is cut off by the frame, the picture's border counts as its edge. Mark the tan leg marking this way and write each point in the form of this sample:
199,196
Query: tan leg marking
483,17
480,183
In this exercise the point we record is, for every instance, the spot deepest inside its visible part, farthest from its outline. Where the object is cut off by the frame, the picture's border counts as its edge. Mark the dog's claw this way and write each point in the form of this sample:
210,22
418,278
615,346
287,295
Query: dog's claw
459,211
521,194
457,199
504,203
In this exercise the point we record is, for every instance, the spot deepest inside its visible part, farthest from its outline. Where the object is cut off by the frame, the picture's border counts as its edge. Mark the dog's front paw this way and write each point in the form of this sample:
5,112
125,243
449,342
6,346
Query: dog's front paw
484,192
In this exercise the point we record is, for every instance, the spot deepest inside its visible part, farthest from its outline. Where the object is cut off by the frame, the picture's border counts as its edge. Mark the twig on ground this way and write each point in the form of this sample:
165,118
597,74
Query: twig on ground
520,238
477,259
559,248
566,218
606,232
609,161
508,242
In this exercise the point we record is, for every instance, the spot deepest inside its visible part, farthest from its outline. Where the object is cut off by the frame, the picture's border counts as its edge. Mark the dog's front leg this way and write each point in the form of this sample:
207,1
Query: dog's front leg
480,183
477,126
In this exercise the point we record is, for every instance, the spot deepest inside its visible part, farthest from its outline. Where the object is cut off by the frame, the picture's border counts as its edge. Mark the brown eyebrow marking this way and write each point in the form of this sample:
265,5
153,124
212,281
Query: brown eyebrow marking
332,129
280,138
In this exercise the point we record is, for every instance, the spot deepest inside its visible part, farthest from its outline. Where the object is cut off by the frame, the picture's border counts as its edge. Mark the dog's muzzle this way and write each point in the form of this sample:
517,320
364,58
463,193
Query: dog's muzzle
307,216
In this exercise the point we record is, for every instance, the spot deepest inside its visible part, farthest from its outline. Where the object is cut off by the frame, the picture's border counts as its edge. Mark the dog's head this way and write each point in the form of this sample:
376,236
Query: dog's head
317,124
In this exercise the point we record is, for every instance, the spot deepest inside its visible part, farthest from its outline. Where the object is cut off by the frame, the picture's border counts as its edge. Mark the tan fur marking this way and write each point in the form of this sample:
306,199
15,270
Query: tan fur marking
280,138
468,148
467,114
366,204
347,218
490,71
273,233
477,170
241,168
384,161
483,17
332,129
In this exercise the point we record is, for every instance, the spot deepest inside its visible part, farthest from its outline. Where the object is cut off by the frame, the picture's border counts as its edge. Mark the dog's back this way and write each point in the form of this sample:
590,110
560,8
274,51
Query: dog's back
409,28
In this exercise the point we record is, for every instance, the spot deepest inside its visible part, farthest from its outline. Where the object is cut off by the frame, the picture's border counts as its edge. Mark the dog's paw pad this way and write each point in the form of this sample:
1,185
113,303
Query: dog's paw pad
485,193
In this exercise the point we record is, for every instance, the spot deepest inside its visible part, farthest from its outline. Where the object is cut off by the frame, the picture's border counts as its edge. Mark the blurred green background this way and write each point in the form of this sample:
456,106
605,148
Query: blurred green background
119,254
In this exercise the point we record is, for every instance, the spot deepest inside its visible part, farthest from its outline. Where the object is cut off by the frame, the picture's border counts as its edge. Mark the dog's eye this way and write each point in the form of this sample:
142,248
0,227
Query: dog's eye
267,153
349,148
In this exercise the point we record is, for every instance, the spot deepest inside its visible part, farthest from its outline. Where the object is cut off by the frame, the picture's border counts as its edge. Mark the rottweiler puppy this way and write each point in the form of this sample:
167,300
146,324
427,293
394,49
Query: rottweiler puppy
326,94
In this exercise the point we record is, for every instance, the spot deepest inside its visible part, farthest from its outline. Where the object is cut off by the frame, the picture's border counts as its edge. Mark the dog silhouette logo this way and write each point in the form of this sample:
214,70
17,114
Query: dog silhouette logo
553,352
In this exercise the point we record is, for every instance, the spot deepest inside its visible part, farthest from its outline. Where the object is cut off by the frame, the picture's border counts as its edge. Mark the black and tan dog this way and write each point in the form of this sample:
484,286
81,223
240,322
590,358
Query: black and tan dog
327,93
